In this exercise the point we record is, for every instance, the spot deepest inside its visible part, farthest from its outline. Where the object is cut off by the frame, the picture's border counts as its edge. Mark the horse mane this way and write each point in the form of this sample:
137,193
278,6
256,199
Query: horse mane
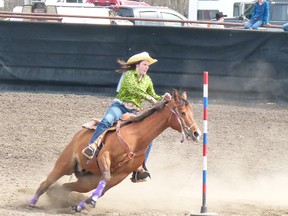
157,107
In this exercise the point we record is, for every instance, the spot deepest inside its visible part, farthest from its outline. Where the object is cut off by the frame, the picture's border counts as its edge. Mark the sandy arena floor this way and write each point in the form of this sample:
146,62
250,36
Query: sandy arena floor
247,161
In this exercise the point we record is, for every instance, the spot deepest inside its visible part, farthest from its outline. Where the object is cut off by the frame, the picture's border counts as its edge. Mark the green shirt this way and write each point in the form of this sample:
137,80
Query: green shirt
135,91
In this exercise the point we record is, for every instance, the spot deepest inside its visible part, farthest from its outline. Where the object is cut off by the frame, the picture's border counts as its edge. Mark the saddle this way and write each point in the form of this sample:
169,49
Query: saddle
98,144
138,175
95,121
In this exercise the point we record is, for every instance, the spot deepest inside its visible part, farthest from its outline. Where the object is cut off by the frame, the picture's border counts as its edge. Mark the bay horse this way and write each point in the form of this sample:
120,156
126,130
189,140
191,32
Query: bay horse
122,153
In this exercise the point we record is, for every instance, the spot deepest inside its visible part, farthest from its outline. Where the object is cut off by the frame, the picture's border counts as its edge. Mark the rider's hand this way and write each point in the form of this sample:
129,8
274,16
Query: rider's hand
153,100
167,96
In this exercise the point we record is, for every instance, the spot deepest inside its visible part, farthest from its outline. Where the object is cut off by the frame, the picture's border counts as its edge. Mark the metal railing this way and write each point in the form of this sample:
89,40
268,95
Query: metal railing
59,17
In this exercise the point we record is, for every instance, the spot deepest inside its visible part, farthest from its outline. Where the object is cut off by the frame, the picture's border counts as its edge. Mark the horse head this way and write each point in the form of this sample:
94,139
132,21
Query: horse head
183,120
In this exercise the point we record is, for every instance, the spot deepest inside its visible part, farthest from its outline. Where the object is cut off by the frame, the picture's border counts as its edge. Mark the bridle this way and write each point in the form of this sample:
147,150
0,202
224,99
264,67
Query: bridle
185,130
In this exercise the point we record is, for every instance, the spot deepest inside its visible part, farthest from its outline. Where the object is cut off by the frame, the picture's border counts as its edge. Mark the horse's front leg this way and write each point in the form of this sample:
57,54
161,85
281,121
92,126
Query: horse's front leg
104,163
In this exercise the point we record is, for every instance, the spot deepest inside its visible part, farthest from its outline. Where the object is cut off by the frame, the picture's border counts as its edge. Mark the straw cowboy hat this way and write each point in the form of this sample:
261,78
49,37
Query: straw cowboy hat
141,57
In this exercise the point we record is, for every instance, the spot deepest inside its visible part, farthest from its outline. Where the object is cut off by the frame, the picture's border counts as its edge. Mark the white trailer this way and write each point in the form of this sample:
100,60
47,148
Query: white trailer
206,9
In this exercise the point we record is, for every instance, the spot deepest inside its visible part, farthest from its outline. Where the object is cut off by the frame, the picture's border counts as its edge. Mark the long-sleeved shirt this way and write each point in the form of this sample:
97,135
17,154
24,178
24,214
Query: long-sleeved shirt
261,12
135,91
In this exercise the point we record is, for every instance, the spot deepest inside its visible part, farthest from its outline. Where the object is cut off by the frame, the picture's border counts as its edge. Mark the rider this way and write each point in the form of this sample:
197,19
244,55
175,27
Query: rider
135,87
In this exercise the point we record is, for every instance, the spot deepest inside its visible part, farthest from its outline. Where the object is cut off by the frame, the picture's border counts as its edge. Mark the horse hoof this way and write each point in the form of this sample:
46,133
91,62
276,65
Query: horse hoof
90,203
33,201
76,208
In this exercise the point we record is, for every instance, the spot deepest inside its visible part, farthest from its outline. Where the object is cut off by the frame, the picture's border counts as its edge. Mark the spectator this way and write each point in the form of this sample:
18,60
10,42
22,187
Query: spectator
219,18
285,27
260,15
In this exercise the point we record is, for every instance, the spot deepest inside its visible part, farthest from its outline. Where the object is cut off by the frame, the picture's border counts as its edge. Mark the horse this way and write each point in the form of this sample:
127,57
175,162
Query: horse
123,151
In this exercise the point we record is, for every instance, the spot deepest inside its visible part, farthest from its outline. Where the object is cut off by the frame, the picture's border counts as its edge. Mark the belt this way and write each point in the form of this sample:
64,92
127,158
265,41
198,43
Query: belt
128,105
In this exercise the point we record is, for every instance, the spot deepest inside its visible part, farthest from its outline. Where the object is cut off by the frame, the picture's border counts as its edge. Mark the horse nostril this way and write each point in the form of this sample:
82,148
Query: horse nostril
196,134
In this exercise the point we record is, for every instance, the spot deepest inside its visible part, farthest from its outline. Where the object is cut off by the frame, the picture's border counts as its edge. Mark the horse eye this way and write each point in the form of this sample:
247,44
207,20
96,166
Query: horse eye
183,113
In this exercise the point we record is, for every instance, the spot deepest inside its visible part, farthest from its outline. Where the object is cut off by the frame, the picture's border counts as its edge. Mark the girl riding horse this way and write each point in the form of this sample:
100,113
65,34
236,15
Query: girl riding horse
123,152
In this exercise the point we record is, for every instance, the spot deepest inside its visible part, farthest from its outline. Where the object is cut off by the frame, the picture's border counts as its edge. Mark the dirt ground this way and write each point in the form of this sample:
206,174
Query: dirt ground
247,161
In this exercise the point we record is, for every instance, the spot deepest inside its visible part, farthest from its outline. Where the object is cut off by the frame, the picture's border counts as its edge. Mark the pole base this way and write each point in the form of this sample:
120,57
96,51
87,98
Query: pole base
202,214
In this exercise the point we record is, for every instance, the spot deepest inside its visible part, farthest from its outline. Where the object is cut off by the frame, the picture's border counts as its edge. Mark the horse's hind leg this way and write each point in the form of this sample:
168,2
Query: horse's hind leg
104,163
63,166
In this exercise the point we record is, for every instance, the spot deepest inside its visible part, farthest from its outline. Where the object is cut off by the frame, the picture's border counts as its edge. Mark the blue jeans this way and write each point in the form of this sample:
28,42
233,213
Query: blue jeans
255,24
285,27
113,114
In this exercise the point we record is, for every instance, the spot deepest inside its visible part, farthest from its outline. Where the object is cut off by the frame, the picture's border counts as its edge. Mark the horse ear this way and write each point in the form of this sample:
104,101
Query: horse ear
175,95
184,95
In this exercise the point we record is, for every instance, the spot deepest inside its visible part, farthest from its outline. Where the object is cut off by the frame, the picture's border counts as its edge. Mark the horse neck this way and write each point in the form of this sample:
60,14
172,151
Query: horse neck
152,126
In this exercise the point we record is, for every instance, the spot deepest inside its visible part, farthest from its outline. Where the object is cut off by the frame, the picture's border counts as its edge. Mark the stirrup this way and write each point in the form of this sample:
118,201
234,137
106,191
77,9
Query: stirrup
88,152
140,176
